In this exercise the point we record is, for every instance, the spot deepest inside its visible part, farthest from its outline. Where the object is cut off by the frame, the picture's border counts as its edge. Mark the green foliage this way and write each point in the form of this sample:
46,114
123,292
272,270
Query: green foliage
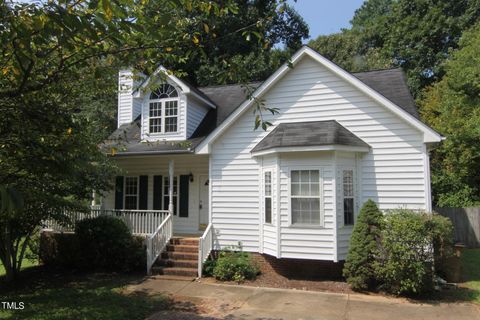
208,267
235,266
404,260
106,244
347,49
359,265
452,107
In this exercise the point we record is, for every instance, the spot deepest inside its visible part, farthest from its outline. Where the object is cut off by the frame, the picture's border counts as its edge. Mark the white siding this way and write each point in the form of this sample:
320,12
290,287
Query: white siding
158,165
392,173
195,113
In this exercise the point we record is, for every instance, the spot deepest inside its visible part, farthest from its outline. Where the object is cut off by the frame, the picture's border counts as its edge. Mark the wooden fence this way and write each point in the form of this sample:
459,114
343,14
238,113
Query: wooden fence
466,222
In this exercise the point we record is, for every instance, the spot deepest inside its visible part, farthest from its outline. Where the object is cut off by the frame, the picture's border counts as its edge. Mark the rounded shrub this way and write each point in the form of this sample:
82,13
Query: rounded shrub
235,266
359,266
405,260
105,243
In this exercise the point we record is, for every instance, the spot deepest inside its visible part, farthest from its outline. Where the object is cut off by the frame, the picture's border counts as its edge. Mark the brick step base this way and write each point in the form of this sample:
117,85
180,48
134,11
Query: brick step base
177,263
182,248
172,255
174,271
184,241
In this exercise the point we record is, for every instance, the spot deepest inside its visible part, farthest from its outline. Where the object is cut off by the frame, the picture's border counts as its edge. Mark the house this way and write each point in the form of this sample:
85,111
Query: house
292,191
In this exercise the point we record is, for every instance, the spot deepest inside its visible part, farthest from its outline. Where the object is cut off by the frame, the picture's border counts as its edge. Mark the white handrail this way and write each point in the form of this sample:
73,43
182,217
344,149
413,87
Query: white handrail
157,242
205,246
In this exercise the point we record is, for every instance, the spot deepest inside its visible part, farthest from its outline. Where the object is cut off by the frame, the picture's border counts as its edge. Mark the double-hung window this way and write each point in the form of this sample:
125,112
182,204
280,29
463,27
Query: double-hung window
305,197
348,197
267,195
163,110
131,193
166,185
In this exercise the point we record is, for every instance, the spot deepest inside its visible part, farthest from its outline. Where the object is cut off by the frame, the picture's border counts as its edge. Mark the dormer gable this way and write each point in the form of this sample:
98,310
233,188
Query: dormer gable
170,109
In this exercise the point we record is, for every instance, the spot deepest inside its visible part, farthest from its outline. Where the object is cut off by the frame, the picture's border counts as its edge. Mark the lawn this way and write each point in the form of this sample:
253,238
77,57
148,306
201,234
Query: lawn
469,289
58,296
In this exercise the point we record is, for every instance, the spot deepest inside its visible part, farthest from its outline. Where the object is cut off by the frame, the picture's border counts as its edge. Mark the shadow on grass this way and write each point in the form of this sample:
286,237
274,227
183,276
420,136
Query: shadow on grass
51,295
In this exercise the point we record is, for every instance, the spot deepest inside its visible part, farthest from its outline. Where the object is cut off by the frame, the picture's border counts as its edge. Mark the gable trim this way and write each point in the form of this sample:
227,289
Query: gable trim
429,135
183,86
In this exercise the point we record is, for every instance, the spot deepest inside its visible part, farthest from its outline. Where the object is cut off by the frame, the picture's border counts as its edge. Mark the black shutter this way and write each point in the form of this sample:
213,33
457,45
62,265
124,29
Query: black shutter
143,195
184,182
157,192
119,193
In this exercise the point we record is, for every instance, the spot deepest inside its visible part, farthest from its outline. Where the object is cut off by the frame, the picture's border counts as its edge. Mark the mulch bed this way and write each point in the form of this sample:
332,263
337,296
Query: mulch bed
274,280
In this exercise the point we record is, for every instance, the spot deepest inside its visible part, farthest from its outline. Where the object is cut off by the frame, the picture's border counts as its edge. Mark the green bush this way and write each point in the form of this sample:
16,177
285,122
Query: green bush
105,243
235,266
404,261
359,265
208,267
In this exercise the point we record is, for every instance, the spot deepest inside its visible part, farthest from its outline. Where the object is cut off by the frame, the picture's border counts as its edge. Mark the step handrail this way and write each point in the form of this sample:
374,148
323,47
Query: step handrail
205,246
157,241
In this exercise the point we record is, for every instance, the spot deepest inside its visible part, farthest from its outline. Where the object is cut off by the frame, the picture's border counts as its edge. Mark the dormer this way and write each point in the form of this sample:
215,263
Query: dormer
170,109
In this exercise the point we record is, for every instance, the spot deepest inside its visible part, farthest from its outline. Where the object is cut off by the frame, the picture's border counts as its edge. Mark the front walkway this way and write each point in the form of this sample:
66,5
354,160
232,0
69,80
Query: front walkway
216,301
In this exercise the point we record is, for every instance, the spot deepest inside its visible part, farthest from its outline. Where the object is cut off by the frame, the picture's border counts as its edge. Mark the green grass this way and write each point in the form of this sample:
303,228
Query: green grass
469,289
26,263
59,296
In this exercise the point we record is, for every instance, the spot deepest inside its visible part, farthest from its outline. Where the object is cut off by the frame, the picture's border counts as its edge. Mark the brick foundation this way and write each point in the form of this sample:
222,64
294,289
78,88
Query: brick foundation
299,268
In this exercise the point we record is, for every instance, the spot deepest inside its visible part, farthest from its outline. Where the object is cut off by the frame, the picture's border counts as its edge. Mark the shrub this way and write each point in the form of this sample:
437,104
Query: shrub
359,265
106,244
404,264
208,267
59,250
236,266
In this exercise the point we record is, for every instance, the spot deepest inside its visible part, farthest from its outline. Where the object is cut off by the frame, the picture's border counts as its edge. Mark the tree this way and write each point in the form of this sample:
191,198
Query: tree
452,107
226,42
359,265
347,49
417,35
56,60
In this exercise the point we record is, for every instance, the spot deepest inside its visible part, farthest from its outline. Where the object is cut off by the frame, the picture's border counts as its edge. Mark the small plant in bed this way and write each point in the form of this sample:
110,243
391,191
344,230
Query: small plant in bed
235,265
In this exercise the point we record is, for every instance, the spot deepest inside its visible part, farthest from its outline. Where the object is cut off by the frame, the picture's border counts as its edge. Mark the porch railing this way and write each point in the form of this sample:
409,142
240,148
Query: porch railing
157,241
205,246
140,222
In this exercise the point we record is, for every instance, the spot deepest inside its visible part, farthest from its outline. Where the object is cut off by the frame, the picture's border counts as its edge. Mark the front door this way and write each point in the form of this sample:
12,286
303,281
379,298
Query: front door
203,202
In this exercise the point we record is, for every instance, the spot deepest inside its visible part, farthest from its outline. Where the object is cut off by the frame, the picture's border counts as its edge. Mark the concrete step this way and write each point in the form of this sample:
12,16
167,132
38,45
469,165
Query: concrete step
173,255
184,241
177,263
176,278
174,271
182,248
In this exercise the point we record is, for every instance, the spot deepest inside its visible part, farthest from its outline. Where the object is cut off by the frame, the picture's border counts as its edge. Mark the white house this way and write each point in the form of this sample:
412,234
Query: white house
292,191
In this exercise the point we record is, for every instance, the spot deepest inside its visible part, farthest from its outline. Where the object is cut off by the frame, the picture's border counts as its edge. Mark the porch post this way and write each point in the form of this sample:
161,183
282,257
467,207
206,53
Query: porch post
170,187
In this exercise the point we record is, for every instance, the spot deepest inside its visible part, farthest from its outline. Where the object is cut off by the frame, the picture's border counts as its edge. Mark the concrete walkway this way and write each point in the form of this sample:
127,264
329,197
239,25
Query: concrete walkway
242,302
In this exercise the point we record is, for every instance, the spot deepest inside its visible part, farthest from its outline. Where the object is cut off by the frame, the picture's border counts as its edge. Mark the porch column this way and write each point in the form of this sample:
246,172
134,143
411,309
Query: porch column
170,186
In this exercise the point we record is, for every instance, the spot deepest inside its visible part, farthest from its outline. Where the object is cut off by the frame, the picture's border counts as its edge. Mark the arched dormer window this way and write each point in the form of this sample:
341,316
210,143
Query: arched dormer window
163,109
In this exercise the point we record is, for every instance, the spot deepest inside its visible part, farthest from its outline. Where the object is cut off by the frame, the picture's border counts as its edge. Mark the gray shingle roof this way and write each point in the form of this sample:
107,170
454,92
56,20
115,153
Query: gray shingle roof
390,83
312,133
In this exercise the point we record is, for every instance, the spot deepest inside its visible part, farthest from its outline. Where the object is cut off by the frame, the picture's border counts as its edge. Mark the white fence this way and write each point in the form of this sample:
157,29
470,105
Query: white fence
157,242
205,247
142,222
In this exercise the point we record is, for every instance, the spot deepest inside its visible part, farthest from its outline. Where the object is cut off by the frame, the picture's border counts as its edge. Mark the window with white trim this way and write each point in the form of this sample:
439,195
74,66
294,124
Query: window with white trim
305,197
130,198
166,185
348,197
163,109
267,195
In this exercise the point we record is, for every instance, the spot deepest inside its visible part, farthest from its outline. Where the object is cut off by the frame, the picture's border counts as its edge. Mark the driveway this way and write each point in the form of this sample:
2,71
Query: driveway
197,300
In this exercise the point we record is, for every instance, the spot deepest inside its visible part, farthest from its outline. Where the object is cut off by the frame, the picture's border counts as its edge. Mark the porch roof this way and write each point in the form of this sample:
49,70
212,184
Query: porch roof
310,134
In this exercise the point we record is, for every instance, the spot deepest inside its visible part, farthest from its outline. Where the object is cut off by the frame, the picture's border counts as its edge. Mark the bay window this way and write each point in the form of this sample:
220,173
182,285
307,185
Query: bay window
305,197
348,197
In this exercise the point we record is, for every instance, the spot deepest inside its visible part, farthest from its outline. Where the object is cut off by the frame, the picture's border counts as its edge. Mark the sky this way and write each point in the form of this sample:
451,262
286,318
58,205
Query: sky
326,16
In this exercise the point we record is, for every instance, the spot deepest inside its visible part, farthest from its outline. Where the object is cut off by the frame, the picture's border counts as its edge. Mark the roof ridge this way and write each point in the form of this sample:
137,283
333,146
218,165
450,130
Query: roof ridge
378,70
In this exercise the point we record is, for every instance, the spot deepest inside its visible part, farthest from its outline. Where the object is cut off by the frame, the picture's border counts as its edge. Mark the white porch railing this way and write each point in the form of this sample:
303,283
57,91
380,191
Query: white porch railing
205,246
157,242
140,222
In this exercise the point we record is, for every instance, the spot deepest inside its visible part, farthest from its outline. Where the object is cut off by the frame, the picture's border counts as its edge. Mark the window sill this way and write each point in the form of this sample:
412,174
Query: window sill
306,226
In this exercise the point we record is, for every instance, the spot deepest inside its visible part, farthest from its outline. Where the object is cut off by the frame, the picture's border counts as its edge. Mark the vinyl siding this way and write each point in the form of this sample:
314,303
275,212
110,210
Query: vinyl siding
158,165
128,107
392,173
195,114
